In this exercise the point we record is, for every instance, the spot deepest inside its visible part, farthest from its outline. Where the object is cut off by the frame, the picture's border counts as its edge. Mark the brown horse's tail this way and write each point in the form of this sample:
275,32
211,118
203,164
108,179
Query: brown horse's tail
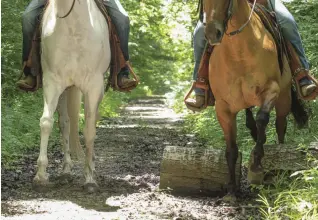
299,110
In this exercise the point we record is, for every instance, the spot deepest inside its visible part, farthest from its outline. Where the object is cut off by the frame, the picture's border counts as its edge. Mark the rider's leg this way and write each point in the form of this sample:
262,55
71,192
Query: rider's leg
199,43
120,19
30,19
290,31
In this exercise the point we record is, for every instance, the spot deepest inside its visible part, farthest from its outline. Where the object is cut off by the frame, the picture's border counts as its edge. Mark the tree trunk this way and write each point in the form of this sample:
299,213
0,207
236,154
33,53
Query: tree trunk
287,157
196,171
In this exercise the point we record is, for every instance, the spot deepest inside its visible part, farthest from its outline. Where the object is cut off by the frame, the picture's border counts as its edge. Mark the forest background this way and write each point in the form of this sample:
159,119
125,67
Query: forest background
162,56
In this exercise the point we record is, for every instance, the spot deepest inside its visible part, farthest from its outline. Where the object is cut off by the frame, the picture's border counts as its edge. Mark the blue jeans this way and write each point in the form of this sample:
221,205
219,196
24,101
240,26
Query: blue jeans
199,43
286,22
31,18
289,29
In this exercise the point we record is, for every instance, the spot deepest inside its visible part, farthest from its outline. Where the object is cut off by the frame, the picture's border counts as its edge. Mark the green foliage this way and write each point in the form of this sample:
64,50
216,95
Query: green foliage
20,111
20,128
306,15
159,57
291,197
11,47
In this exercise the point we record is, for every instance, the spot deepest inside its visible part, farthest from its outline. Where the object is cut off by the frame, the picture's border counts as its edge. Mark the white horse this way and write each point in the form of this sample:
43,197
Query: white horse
75,54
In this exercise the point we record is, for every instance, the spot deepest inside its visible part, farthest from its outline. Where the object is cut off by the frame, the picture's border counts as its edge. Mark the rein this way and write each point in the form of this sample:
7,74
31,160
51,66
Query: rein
229,16
68,13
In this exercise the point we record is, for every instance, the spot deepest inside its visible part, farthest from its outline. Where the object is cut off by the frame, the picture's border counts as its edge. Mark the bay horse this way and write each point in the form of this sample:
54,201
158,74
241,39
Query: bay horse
75,55
244,72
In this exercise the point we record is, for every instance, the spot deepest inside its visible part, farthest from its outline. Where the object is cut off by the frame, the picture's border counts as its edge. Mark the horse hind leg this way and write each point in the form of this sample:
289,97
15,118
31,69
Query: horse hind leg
92,99
64,123
251,123
51,93
74,97
282,107
262,120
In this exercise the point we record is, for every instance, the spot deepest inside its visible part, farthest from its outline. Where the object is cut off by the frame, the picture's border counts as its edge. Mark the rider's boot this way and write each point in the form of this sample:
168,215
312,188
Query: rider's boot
197,102
29,81
307,86
123,79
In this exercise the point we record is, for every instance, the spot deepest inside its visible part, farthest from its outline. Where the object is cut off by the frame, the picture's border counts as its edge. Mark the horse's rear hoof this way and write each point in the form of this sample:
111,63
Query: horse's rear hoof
65,178
91,187
255,177
41,186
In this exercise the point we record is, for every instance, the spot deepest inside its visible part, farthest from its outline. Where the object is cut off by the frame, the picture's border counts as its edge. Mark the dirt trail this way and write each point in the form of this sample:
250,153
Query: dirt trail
128,155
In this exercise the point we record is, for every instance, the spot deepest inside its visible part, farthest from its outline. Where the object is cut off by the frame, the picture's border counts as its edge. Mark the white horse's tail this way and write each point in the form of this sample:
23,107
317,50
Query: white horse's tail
74,97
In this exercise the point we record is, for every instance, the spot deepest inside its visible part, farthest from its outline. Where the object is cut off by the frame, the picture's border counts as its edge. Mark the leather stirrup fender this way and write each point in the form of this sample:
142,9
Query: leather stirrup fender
117,58
202,81
298,72
34,62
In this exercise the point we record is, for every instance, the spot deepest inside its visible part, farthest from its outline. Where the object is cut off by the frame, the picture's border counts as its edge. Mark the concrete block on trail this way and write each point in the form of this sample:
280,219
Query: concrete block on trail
196,171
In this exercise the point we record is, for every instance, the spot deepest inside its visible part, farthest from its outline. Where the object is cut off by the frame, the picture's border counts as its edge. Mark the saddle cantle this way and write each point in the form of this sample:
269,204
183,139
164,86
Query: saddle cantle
116,64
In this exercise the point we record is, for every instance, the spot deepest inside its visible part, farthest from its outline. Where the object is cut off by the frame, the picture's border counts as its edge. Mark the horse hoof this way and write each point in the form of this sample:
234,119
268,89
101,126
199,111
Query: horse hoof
229,198
65,178
41,185
256,169
255,177
91,187
268,180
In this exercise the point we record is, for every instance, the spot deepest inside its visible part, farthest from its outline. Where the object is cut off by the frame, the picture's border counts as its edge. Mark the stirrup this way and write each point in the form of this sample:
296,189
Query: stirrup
38,81
113,81
297,75
208,101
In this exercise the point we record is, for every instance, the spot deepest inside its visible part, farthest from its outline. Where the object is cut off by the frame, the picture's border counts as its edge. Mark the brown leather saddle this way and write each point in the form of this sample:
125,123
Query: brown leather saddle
117,58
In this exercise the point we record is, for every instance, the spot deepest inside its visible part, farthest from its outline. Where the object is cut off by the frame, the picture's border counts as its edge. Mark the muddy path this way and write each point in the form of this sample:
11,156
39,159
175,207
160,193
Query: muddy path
128,155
